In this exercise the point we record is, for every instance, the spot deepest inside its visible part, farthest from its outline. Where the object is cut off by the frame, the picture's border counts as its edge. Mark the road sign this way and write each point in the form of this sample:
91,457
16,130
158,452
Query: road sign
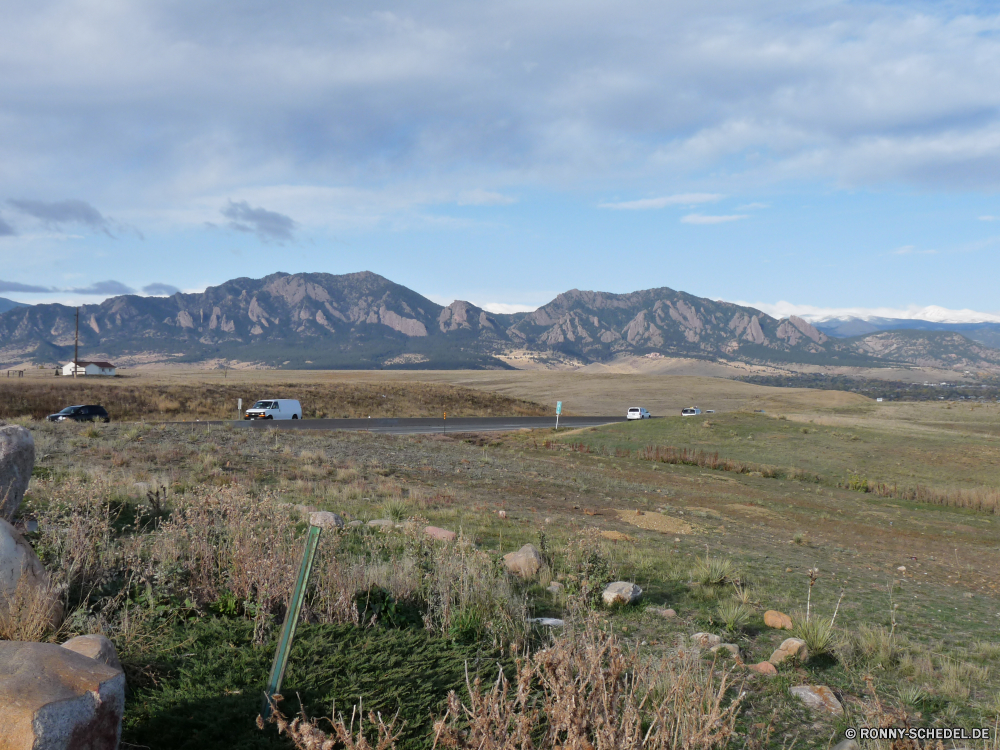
558,408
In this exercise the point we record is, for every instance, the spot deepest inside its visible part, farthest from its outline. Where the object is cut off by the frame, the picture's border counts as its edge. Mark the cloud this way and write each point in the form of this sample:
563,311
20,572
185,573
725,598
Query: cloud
158,289
267,225
14,286
752,206
912,250
683,199
58,213
504,308
816,314
484,198
6,230
107,288
988,218
708,219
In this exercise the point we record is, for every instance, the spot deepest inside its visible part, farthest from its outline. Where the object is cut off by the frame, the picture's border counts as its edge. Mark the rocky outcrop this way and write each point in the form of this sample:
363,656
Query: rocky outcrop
819,698
790,648
17,459
56,699
777,620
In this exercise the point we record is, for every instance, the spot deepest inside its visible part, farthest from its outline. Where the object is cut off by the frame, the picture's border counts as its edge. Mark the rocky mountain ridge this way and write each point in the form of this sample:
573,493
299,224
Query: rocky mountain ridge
362,320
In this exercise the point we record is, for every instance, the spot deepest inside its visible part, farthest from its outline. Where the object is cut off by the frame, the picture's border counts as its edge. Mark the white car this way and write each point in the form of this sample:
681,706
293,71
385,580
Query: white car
691,411
637,412
275,408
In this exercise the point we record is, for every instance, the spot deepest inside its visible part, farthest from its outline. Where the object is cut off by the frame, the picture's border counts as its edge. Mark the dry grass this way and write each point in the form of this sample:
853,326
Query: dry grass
588,689
128,400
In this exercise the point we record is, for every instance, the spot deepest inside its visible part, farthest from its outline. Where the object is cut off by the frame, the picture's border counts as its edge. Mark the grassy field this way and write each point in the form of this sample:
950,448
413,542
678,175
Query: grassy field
179,542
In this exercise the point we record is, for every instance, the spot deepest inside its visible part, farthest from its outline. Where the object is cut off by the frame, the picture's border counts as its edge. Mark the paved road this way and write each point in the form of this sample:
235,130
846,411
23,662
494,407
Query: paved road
426,425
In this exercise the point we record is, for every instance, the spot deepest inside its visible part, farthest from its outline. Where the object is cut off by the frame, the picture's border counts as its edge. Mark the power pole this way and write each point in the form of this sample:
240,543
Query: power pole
76,344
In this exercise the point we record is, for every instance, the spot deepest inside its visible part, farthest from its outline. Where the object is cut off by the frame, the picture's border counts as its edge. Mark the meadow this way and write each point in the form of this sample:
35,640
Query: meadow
179,542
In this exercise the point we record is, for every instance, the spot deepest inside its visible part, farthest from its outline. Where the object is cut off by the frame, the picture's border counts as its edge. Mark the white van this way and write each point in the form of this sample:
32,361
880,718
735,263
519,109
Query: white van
637,412
691,411
275,408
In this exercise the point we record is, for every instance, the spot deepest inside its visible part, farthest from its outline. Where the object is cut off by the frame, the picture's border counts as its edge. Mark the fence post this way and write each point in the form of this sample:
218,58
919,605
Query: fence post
291,620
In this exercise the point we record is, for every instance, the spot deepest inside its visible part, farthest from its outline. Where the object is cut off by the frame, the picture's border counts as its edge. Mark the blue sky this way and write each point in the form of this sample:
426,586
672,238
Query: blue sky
822,154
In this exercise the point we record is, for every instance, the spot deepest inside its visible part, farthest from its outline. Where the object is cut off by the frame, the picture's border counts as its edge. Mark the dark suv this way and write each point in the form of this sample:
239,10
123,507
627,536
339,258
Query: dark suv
88,413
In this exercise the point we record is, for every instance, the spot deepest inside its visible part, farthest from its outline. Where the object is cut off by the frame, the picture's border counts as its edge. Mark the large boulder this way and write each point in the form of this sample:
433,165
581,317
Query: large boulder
442,535
621,592
17,459
326,520
56,699
23,580
526,562
95,647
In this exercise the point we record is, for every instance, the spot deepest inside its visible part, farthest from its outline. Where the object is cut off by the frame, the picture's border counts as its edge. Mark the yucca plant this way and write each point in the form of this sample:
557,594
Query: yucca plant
733,616
817,633
396,510
712,571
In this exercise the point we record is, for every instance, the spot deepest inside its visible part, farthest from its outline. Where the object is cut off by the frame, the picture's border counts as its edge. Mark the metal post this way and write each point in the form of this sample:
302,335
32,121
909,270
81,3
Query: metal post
291,620
444,423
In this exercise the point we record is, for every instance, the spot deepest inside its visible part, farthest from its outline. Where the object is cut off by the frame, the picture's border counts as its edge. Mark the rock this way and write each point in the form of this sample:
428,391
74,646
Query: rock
554,588
326,520
667,613
730,647
355,524
790,648
901,568
526,562
442,535
56,699
381,523
778,620
22,578
621,592
847,745
96,647
502,513
549,622
17,459
705,640
819,698
765,668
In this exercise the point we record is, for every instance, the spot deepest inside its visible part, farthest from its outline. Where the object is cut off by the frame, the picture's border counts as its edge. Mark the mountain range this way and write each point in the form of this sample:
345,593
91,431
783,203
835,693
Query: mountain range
362,320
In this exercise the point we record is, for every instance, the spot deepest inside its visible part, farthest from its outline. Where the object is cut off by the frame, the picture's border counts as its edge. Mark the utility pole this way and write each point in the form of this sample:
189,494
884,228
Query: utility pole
76,344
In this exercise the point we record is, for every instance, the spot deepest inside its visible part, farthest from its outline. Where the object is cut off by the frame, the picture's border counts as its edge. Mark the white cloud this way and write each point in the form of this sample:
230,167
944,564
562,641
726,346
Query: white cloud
753,206
708,219
504,308
683,199
816,314
912,250
988,218
484,198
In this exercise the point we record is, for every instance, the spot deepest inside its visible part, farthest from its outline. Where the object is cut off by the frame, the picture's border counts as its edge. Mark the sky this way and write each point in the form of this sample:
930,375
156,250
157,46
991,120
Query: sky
798,155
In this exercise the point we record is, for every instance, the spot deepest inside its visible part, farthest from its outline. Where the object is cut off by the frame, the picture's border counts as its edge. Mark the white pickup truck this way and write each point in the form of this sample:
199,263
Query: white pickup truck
275,408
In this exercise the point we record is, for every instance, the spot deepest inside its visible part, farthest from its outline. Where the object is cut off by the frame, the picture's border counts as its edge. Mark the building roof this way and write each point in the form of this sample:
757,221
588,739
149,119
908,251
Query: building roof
82,363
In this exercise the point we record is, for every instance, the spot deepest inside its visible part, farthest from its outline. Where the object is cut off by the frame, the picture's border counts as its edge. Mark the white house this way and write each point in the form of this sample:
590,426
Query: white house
88,368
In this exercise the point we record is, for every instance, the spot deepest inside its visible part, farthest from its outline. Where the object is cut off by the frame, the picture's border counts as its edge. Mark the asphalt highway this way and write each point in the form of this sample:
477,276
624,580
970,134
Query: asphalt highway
425,425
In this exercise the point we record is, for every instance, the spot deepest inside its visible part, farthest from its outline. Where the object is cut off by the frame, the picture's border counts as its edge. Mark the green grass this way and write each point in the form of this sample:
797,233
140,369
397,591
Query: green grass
934,458
203,685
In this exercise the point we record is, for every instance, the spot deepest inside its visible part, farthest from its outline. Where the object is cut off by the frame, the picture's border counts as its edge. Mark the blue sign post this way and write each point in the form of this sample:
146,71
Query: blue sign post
558,412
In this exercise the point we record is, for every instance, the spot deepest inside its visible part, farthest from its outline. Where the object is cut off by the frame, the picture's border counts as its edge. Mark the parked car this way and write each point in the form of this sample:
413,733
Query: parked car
691,411
81,413
275,408
637,412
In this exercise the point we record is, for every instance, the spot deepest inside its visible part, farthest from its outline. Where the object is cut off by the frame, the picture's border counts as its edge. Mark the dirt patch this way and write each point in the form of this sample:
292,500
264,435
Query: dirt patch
655,522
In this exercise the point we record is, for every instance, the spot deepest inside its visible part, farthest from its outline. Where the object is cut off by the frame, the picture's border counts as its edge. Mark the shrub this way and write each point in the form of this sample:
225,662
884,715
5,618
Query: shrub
713,571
